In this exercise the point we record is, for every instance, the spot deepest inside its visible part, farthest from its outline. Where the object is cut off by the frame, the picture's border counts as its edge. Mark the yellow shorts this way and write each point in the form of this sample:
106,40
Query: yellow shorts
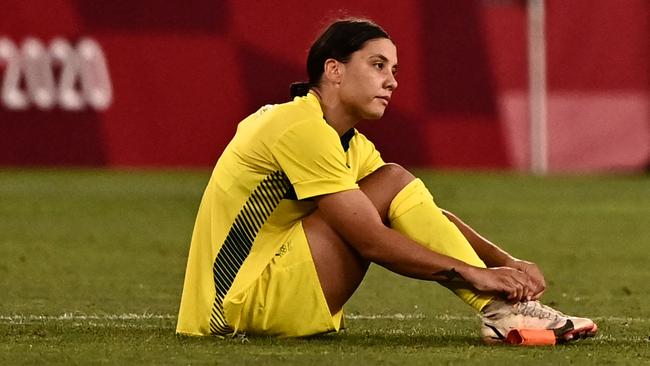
286,300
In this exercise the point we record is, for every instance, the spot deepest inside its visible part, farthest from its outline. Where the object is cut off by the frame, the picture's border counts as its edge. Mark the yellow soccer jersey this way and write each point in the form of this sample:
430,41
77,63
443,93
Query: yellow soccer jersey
260,188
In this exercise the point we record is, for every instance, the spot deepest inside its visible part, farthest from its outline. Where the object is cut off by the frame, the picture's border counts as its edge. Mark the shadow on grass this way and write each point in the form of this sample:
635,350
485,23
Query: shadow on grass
358,338
365,340
361,339
399,340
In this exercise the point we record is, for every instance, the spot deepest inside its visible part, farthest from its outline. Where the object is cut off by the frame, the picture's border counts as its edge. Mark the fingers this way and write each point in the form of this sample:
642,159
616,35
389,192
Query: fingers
520,286
539,286
536,275
516,292
534,283
515,284
532,289
538,292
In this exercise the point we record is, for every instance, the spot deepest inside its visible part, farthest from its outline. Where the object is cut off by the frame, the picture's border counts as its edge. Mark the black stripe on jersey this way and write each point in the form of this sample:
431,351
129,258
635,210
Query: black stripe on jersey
239,241
346,138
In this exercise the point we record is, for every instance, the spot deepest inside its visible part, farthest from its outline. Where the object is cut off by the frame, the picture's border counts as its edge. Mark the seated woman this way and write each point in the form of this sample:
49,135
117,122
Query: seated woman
300,203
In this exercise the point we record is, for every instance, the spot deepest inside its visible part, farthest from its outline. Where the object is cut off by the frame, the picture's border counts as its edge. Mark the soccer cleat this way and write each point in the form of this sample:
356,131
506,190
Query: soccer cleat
500,318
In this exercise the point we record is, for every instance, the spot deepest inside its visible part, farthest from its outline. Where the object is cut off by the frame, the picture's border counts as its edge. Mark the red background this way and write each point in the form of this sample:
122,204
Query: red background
185,72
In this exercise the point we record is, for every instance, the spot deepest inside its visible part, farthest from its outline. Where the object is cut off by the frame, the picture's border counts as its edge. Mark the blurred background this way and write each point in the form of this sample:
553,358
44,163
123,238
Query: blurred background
144,95
164,83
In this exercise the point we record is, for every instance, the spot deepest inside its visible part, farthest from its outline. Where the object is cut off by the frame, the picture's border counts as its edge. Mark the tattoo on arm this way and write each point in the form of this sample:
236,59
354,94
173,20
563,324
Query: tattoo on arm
448,275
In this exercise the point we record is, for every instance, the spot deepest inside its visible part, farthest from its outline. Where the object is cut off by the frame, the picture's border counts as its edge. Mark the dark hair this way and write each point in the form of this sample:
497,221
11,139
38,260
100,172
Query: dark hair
342,38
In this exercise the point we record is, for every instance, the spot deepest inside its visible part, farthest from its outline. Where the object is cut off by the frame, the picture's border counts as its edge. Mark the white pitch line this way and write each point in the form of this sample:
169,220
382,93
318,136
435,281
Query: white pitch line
82,317
19,318
397,316
77,317
470,318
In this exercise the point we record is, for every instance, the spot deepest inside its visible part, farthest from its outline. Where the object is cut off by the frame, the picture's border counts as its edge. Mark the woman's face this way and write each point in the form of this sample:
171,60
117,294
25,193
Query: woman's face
368,79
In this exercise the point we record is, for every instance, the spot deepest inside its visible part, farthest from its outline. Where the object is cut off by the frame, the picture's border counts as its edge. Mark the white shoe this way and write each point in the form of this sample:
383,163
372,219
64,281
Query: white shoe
500,317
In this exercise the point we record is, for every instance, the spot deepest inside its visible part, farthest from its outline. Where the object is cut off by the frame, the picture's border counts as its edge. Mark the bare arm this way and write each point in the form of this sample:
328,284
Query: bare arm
355,219
493,256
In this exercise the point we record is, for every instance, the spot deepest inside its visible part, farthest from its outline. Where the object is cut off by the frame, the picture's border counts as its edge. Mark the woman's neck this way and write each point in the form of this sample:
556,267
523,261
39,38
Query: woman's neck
334,112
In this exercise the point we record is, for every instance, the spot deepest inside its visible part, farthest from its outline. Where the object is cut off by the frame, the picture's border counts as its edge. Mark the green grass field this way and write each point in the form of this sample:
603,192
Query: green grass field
92,263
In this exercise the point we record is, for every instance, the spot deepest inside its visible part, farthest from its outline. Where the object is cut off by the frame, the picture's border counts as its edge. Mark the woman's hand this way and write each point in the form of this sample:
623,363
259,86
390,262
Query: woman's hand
516,284
532,270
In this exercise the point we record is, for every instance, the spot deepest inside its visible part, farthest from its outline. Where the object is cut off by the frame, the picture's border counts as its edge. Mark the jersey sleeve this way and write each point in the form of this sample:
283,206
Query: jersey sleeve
369,157
311,155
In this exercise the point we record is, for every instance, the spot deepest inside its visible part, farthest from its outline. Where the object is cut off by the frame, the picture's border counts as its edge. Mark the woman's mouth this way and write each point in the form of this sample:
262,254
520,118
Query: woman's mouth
386,99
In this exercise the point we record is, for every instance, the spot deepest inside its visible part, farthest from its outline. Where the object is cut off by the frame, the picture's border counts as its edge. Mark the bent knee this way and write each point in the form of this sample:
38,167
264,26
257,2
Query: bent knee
383,184
395,173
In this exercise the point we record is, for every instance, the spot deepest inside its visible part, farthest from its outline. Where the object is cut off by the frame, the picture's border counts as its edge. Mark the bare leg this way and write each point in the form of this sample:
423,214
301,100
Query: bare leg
340,268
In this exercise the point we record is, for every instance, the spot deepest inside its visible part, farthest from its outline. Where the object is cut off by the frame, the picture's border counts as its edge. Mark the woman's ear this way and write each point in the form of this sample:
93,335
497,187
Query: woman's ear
333,70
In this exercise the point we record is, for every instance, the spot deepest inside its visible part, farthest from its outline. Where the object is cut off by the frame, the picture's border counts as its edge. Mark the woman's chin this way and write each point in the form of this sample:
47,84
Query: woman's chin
374,114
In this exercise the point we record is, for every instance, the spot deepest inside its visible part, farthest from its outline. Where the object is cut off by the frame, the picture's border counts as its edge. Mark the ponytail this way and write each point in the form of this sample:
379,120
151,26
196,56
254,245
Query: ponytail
299,89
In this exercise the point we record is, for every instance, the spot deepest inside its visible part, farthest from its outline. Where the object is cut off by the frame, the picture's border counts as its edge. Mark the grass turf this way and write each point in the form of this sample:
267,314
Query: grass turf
92,262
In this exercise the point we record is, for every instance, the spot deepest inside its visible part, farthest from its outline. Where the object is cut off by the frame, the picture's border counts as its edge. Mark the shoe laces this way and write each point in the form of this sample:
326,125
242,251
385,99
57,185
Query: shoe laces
537,310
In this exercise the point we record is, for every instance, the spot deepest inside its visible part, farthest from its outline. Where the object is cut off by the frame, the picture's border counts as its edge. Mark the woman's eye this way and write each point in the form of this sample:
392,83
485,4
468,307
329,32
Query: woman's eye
379,66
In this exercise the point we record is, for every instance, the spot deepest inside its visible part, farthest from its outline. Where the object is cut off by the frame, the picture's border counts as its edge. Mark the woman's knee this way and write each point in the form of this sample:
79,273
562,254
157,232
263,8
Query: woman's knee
389,175
396,173
382,185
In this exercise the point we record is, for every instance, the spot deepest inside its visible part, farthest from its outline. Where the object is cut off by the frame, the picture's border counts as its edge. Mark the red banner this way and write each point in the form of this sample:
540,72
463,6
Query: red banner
150,83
